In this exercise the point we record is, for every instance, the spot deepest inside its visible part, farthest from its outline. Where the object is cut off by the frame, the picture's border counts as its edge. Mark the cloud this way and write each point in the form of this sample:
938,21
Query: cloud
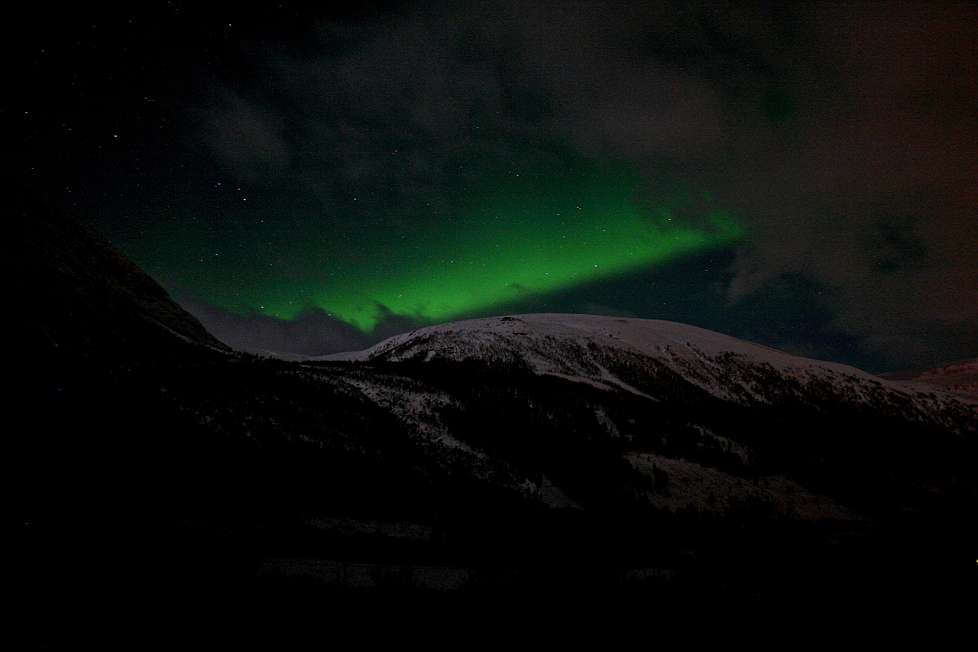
314,332
869,188
245,136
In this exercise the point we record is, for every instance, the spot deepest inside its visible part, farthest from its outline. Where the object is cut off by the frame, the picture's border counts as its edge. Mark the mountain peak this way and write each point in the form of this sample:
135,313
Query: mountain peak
645,336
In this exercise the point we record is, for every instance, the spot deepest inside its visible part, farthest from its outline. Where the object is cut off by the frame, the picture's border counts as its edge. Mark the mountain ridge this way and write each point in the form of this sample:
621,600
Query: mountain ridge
614,351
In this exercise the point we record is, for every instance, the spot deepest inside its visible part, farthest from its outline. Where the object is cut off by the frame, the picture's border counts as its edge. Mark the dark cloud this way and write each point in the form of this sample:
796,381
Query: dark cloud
246,136
314,332
844,136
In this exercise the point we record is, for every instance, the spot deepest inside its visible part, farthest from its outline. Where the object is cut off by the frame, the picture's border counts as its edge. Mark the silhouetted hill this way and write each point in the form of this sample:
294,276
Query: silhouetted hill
79,297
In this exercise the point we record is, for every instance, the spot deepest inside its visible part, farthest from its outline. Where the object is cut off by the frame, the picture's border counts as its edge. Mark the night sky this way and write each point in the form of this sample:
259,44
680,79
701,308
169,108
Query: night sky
804,176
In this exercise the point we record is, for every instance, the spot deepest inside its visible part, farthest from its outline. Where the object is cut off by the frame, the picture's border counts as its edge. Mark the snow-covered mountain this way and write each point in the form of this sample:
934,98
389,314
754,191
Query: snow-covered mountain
498,337
712,422
645,356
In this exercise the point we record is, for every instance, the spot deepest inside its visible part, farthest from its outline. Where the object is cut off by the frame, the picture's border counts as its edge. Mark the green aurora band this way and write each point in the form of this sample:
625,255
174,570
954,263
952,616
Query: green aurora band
481,266
520,236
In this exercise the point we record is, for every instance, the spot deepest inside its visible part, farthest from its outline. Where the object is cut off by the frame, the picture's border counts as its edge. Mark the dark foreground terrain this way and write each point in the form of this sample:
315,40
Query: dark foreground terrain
167,490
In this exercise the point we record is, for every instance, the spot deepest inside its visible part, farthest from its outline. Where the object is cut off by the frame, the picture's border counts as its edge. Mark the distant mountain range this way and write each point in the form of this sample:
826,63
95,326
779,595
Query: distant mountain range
531,455
959,378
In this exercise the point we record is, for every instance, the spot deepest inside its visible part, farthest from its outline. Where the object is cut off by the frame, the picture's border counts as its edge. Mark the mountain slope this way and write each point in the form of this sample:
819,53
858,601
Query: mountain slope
715,424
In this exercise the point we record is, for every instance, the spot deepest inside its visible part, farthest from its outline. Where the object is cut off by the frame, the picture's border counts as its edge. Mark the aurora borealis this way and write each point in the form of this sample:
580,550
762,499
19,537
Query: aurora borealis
511,238
488,264
307,178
